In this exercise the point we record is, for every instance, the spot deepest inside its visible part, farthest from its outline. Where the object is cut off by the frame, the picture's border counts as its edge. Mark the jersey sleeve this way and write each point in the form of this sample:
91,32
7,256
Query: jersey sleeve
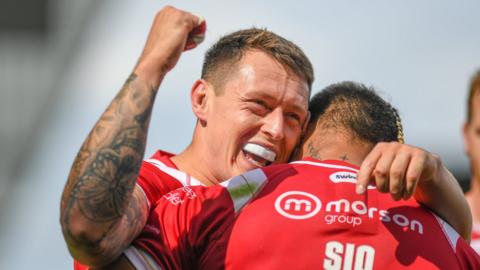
466,255
155,183
79,266
183,223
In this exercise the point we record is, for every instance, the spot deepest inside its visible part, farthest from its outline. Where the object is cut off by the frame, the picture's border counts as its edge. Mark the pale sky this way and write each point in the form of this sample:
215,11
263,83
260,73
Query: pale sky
419,54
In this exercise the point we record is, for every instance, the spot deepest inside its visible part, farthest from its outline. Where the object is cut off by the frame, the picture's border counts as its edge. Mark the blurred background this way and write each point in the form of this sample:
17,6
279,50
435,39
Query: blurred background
61,62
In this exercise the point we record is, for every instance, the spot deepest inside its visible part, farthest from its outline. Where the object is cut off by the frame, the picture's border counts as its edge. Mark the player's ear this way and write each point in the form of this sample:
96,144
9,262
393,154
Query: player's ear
199,97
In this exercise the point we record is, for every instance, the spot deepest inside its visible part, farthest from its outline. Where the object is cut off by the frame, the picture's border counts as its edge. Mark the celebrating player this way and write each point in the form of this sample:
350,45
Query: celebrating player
252,96
310,214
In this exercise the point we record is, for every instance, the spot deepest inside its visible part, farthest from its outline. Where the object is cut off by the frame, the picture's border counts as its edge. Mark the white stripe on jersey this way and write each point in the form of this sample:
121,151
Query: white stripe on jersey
140,259
243,187
450,233
182,177
475,244
326,165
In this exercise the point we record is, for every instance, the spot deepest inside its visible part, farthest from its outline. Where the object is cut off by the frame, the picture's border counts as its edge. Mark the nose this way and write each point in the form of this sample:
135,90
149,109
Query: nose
274,125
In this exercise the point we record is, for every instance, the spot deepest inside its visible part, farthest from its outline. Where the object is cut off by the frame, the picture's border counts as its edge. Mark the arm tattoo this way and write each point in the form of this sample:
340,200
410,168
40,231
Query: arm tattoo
103,176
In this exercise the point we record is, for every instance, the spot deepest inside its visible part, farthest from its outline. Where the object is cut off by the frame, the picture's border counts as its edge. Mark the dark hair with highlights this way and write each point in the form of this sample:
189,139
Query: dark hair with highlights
221,59
359,109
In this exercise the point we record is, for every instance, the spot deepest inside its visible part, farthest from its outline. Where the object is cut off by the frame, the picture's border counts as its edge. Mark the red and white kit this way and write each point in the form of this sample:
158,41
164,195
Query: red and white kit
158,176
302,215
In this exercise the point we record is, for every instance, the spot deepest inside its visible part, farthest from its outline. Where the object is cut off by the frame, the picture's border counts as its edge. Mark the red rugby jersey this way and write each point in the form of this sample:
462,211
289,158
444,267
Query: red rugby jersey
158,175
476,237
303,215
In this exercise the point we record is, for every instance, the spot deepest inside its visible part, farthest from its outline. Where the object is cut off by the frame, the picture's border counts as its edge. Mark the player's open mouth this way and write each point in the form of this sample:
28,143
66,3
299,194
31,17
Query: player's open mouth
258,154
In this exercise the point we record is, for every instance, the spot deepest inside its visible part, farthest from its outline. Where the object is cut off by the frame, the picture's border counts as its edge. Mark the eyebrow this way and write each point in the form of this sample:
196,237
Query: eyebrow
272,98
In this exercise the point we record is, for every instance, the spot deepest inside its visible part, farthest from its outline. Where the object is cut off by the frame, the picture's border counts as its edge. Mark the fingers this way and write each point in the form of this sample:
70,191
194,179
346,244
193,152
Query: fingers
416,166
395,168
398,171
366,170
197,35
192,27
173,31
176,17
381,173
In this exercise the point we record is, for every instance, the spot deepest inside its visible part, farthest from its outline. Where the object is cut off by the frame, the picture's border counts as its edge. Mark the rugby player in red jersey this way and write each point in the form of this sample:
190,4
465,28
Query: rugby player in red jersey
252,96
322,212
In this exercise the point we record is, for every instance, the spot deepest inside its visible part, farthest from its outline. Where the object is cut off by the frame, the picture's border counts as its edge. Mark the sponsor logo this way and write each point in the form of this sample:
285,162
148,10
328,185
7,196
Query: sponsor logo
342,177
177,197
340,212
173,198
303,205
189,192
346,177
297,205
350,255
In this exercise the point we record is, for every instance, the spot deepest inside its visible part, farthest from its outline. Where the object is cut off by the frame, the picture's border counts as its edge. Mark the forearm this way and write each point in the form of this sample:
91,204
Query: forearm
444,196
103,176
120,236
99,215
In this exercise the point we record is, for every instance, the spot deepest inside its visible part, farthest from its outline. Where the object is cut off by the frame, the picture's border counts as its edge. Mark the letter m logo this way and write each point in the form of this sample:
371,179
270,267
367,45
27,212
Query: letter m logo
297,205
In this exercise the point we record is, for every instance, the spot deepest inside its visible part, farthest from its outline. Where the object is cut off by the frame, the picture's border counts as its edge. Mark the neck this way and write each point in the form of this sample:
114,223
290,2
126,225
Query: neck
188,162
194,160
335,145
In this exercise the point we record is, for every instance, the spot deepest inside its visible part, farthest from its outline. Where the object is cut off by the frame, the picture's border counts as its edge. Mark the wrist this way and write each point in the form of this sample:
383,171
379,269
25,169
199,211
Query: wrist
150,73
433,179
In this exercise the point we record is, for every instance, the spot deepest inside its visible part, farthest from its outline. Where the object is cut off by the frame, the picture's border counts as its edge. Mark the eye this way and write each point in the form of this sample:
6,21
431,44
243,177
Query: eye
259,106
294,116
261,103
294,119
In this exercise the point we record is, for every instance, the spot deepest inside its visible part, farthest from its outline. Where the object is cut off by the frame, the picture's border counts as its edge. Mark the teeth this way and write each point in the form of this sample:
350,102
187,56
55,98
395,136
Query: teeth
260,151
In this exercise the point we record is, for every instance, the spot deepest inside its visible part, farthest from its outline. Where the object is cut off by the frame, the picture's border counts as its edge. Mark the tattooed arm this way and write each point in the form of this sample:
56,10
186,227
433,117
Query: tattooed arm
102,211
